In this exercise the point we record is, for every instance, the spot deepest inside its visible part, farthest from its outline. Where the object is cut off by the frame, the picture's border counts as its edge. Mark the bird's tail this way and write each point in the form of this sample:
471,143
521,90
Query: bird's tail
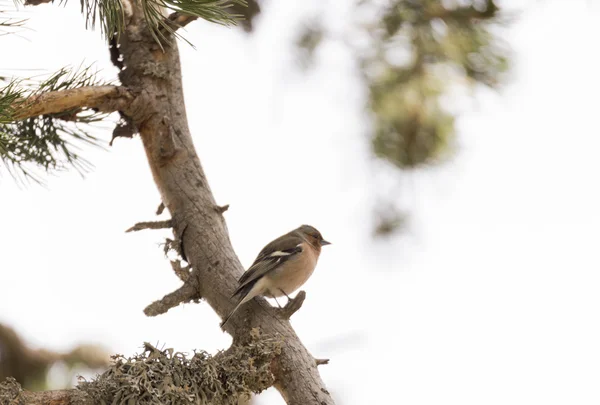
245,293
231,313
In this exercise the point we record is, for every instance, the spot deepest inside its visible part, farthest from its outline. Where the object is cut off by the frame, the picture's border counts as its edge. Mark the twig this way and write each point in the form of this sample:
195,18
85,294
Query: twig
151,225
160,209
222,208
321,361
293,305
183,294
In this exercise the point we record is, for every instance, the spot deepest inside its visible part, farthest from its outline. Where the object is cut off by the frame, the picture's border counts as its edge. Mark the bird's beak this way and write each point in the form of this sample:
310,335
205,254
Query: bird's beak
325,243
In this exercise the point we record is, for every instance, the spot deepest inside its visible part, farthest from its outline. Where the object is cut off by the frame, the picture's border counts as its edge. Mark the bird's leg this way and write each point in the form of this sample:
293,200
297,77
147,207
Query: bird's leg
278,304
293,305
287,296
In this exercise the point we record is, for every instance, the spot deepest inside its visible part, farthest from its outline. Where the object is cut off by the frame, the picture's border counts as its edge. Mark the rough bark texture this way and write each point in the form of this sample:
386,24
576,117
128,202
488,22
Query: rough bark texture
12,394
60,397
154,77
103,98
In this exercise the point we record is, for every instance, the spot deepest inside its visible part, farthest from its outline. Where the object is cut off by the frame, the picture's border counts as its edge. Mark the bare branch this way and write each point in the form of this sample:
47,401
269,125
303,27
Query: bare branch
160,209
103,98
36,2
183,294
321,361
12,393
151,225
222,208
293,305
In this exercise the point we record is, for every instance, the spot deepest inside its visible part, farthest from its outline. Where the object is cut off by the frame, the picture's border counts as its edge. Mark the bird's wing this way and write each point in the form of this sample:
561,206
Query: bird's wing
272,256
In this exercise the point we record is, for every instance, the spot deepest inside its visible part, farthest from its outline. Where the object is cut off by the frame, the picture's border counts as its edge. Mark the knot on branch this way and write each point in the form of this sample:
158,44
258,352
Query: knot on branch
165,376
125,128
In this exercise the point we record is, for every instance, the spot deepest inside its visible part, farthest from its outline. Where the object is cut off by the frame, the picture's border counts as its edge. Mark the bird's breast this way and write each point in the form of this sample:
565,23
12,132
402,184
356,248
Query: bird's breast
292,274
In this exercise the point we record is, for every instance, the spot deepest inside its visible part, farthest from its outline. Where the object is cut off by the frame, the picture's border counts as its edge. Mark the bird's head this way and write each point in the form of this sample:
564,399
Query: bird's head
312,236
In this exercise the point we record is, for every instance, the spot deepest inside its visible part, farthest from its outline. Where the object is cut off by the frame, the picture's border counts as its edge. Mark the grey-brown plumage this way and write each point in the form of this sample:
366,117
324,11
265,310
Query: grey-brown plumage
281,267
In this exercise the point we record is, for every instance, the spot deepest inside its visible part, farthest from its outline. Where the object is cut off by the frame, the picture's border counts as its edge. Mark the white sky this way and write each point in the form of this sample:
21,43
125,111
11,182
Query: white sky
490,297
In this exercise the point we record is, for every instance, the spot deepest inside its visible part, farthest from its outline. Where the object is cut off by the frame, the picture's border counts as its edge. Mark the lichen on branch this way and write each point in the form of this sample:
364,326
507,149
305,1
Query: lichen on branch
167,377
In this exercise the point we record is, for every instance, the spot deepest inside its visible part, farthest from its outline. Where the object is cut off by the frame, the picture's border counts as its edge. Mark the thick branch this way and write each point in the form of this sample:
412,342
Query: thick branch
60,397
11,393
102,98
36,2
185,191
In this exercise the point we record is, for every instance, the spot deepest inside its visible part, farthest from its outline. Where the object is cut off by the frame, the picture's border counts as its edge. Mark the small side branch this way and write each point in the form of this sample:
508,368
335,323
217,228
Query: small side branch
160,208
103,98
222,208
185,293
178,20
321,361
293,305
151,225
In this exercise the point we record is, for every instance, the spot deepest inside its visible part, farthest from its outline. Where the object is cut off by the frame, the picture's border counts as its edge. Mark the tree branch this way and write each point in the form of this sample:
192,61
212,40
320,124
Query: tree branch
158,376
186,193
160,209
36,2
102,98
183,294
151,225
293,305
12,393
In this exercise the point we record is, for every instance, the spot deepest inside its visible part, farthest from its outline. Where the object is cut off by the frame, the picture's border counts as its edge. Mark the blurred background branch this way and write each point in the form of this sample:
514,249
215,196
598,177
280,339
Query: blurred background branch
31,367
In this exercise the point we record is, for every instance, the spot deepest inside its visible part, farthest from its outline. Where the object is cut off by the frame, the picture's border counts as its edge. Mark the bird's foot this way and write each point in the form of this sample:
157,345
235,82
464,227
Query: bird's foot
293,305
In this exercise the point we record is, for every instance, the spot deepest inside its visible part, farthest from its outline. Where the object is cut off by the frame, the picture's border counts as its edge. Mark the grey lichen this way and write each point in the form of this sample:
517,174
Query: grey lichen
10,391
167,377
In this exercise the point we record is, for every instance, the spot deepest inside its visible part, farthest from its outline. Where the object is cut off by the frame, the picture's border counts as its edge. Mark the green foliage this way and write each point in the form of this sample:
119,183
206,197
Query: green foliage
442,44
417,50
49,142
416,53
8,24
110,14
215,11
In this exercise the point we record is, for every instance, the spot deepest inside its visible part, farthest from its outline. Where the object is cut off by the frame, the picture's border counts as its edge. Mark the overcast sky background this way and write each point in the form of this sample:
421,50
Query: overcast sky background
489,296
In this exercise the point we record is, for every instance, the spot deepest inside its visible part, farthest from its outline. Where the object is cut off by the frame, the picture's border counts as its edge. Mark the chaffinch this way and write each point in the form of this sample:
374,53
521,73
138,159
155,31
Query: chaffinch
281,267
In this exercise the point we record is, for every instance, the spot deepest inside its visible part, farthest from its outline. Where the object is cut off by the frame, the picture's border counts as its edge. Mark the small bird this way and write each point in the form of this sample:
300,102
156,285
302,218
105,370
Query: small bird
281,267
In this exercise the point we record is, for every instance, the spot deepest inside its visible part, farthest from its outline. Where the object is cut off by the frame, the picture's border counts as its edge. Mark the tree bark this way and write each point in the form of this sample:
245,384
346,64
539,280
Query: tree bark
59,397
103,98
153,75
